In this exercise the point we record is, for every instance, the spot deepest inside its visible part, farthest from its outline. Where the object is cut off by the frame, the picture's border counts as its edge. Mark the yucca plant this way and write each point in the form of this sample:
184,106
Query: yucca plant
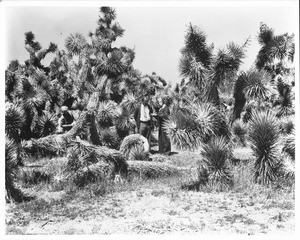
124,123
216,155
138,153
289,145
284,102
286,125
133,141
109,138
14,120
288,169
11,172
106,113
239,129
46,125
273,47
191,125
263,137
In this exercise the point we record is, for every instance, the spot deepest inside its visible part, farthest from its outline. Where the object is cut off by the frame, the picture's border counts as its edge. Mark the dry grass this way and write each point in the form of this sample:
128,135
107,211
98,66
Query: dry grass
154,205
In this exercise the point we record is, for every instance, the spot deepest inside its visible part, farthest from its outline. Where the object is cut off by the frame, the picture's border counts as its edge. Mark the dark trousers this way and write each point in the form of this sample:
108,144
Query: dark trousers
164,144
145,130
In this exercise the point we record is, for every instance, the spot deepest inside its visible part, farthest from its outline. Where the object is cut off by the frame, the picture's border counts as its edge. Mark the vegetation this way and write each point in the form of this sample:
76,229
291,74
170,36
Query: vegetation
231,131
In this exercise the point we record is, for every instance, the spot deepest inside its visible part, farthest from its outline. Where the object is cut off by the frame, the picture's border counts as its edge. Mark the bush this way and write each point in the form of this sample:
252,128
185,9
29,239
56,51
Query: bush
109,138
216,155
134,141
286,125
263,136
289,146
239,129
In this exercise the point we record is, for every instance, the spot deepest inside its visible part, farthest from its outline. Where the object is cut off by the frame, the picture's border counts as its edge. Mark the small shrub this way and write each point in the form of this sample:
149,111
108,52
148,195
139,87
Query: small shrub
289,146
263,136
109,138
239,129
216,155
133,141
286,125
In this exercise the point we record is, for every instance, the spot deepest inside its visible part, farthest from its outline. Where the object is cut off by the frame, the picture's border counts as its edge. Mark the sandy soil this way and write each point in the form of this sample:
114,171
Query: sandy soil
160,212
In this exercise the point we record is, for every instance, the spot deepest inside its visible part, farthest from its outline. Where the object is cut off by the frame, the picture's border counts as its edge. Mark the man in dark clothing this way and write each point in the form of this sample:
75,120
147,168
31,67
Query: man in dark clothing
164,144
66,121
142,116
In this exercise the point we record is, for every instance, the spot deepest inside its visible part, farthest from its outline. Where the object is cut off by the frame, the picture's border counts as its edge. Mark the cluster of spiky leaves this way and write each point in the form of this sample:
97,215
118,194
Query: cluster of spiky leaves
263,137
191,125
216,155
289,145
239,129
286,125
11,172
109,138
280,47
206,72
133,141
196,57
14,121
138,153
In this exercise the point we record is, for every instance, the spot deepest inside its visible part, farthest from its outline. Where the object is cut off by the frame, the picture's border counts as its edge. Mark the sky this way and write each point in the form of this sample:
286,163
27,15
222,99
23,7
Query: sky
156,33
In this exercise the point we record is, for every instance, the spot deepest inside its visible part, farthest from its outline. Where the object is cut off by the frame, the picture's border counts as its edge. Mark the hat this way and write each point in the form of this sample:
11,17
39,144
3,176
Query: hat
64,108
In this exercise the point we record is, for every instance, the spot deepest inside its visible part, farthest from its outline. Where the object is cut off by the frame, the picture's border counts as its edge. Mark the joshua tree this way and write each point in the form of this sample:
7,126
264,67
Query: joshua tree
276,50
207,72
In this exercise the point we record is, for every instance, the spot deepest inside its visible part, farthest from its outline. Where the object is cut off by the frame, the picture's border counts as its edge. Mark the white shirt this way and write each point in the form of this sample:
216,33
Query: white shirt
145,113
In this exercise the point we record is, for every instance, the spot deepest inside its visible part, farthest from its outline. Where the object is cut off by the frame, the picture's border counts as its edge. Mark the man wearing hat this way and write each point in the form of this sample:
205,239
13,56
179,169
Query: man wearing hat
66,121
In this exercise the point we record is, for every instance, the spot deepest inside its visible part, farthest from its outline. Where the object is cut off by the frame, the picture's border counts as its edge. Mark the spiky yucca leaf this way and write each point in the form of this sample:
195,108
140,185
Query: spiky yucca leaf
107,112
52,47
286,125
138,153
46,125
289,145
215,157
209,121
129,103
14,120
75,43
255,84
263,136
195,71
124,123
11,171
29,37
109,138
131,141
112,65
239,129
182,131
13,65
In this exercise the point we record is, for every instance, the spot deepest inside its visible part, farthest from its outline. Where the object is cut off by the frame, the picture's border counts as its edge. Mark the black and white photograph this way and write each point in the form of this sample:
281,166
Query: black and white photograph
150,118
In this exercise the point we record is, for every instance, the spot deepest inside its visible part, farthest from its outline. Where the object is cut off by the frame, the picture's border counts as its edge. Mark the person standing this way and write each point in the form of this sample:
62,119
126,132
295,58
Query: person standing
142,117
66,121
164,144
